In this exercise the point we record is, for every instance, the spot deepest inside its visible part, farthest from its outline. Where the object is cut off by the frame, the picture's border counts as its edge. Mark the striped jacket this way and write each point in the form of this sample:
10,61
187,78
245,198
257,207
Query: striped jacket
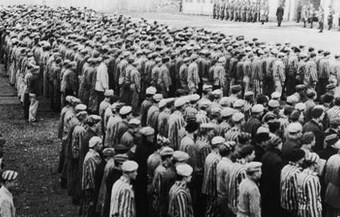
249,199
333,112
224,168
210,174
91,163
176,123
288,186
233,134
309,199
122,199
203,150
238,173
180,202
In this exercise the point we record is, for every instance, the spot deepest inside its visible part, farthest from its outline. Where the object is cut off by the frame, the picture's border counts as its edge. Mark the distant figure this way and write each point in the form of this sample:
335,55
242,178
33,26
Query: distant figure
321,18
279,15
330,17
304,15
299,13
339,21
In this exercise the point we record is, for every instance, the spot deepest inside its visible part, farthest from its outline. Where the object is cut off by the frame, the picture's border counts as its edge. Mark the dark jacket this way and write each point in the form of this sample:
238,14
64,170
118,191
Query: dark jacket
328,152
287,148
280,12
270,182
143,151
317,129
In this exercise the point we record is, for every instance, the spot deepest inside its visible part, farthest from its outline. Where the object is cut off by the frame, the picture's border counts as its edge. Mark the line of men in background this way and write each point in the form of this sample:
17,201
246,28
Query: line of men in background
179,122
308,15
241,10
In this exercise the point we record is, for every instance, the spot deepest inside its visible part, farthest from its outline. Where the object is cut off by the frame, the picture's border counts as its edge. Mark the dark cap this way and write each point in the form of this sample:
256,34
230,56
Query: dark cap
296,155
307,137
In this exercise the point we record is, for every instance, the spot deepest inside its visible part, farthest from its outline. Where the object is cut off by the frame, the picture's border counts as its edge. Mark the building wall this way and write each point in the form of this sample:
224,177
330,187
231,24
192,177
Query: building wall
198,7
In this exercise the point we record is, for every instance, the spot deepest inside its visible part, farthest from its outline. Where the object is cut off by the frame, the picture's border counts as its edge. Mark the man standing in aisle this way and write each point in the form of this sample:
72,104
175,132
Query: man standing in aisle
279,15
102,82
321,18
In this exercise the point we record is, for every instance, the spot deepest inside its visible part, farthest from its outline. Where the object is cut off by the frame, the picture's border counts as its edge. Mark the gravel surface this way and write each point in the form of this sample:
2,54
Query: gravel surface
32,150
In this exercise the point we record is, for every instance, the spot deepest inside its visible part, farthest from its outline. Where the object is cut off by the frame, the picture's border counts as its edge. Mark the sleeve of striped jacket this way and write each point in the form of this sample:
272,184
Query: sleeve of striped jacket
182,203
255,203
313,192
125,204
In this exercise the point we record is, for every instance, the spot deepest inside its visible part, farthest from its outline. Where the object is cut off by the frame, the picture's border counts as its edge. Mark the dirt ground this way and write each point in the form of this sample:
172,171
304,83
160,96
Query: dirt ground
32,150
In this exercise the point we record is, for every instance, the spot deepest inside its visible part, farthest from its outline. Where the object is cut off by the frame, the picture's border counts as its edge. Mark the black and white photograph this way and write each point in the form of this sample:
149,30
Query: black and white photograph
169,108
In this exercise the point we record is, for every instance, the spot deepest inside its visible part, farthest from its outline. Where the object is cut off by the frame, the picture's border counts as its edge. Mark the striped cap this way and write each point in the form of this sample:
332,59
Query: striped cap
9,175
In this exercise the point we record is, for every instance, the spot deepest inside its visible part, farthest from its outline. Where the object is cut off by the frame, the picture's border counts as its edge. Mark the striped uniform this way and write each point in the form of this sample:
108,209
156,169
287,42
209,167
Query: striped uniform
223,169
188,145
209,183
155,190
333,112
122,199
332,178
249,199
238,173
233,134
144,111
222,128
309,199
288,186
111,130
203,150
91,162
201,117
163,126
180,202
176,123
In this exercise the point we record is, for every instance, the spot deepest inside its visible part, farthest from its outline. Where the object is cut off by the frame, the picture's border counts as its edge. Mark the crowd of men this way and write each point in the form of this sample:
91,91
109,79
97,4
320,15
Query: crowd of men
308,15
241,10
158,121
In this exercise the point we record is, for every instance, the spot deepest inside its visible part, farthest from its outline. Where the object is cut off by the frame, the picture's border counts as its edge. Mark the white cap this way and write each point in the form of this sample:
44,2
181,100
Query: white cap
108,93
217,92
217,140
157,97
94,141
276,95
129,166
262,130
258,108
300,106
180,102
134,121
80,107
237,117
147,131
184,170
226,112
194,97
151,91
125,110
274,103
294,127
238,103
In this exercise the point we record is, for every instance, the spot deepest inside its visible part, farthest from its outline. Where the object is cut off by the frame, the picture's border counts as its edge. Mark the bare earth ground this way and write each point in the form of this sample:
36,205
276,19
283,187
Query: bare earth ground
32,150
